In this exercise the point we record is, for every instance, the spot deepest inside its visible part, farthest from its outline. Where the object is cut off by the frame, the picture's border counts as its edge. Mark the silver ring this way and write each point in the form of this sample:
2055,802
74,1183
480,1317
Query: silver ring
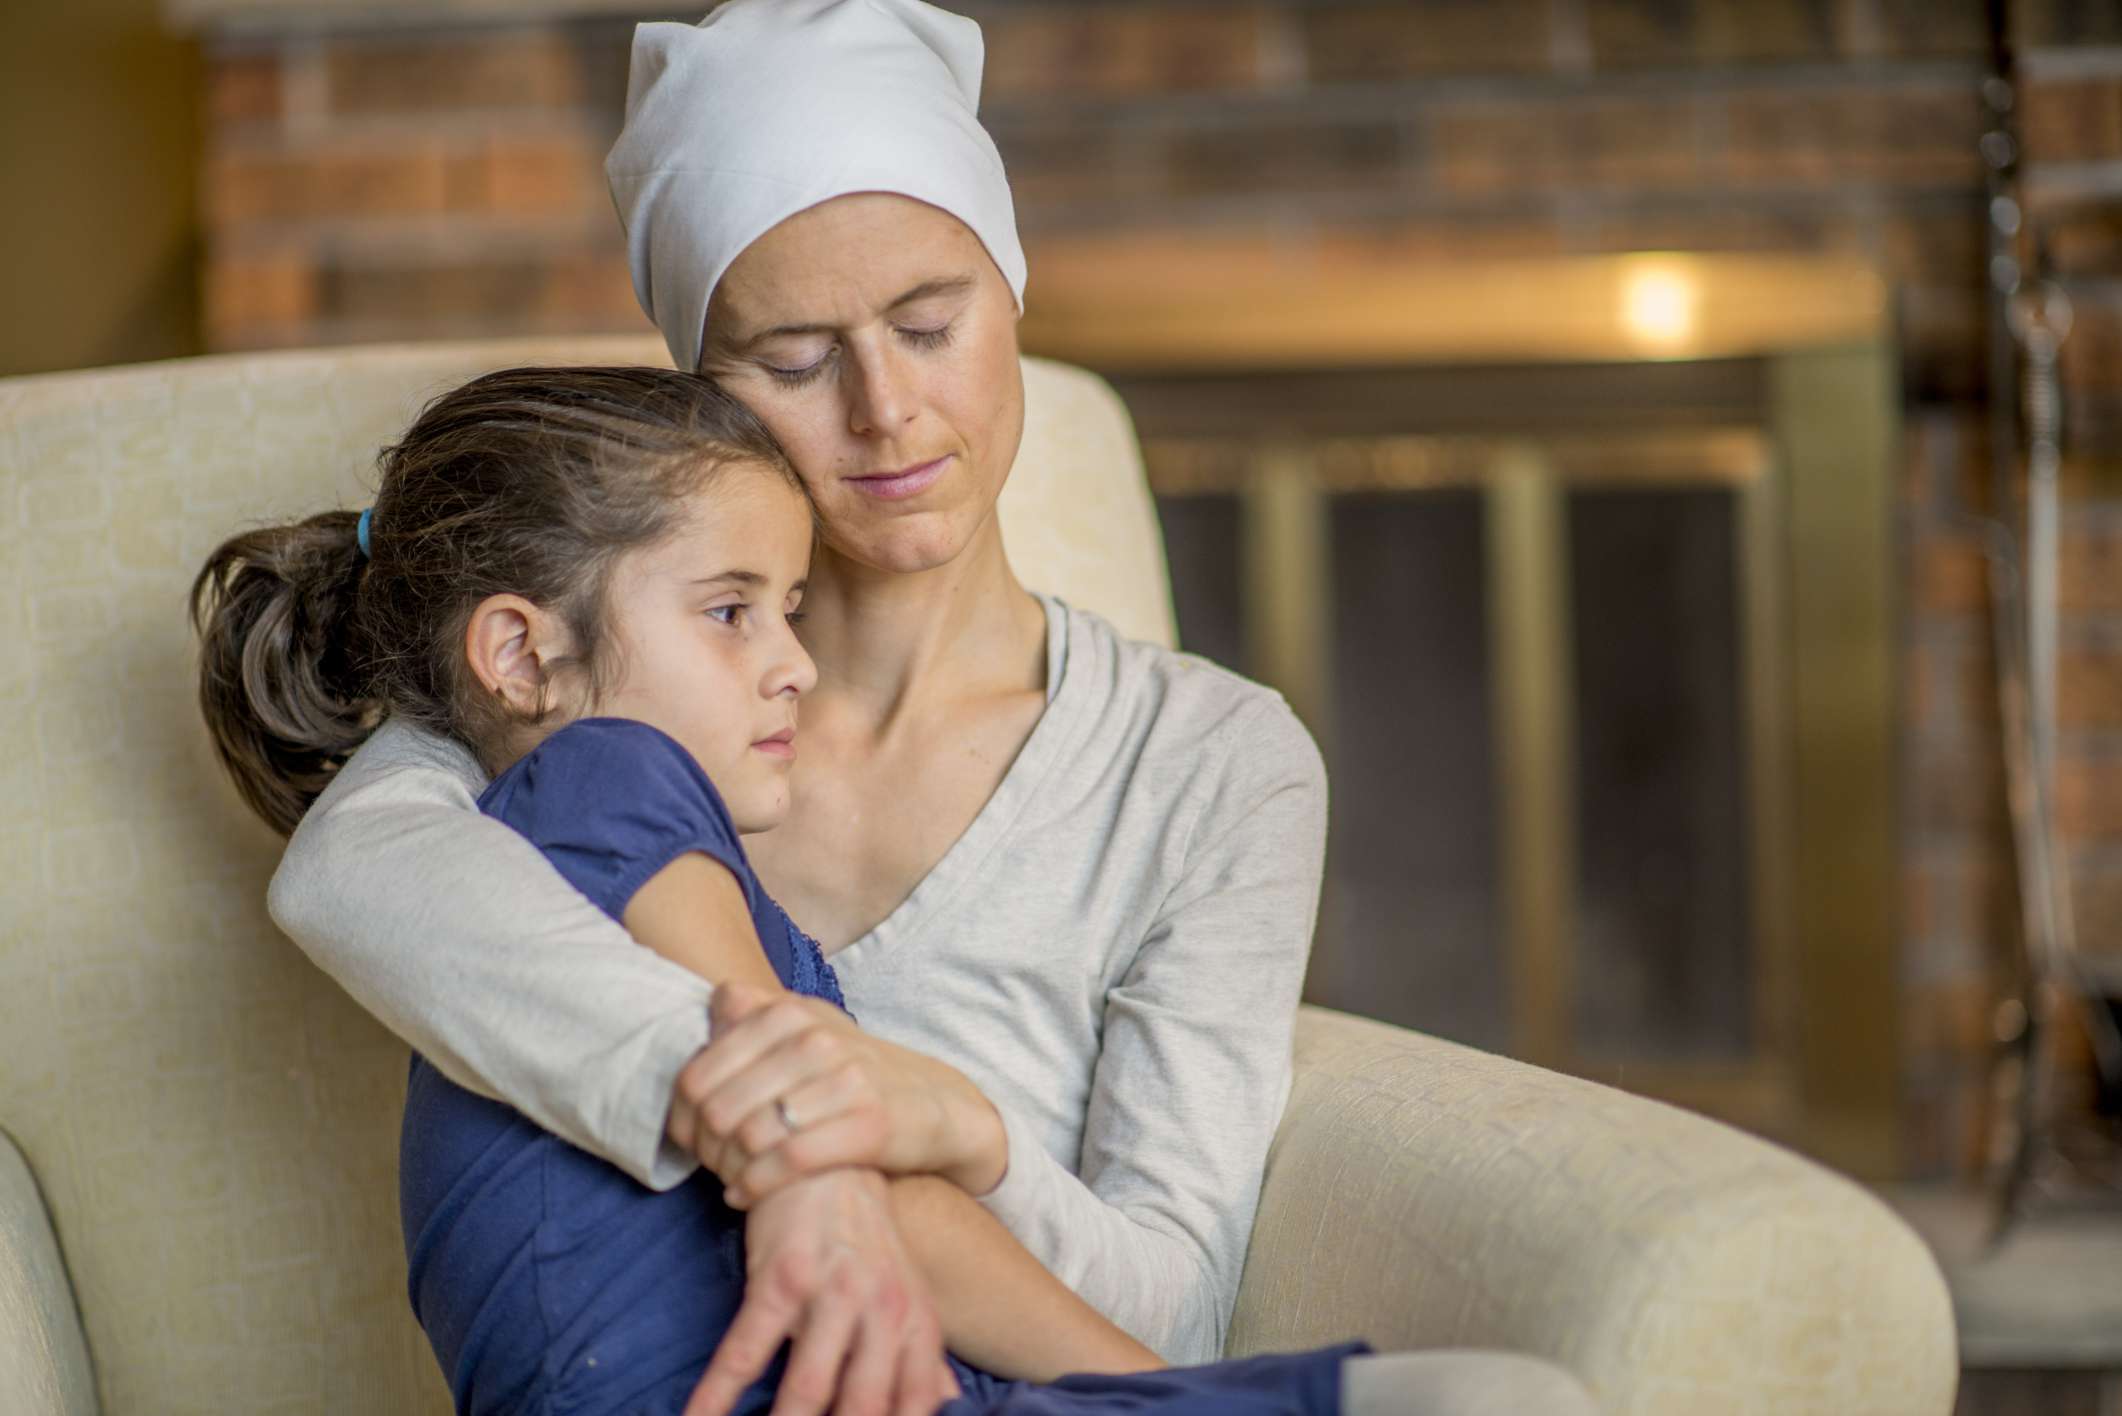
788,1122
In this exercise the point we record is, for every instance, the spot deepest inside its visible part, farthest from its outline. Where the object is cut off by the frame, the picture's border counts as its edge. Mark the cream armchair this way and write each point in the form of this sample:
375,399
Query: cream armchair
208,1126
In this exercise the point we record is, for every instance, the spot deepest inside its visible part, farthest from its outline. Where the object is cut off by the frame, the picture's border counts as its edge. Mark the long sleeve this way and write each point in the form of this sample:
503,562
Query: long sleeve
454,931
1194,1067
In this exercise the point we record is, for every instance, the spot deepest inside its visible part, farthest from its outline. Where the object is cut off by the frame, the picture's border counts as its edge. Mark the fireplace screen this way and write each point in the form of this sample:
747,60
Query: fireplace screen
1565,668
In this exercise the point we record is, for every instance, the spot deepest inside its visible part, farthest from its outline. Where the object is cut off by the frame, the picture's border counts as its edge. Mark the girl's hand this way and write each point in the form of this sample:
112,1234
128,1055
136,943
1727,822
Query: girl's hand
855,1100
828,1271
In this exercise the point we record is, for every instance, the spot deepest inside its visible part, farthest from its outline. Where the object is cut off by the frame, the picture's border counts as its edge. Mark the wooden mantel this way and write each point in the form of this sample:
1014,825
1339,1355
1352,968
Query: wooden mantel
1233,303
283,16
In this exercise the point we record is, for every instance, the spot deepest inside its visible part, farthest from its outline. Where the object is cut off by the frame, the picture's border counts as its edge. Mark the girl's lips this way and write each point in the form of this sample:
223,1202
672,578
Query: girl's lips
897,486
781,744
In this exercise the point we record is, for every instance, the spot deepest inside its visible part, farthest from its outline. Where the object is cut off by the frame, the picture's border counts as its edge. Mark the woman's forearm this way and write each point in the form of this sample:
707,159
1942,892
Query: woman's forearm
866,1102
1001,1310
457,933
1149,1218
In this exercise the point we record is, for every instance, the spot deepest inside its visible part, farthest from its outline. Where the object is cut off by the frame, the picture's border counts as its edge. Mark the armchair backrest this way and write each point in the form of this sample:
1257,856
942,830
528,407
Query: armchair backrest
211,1122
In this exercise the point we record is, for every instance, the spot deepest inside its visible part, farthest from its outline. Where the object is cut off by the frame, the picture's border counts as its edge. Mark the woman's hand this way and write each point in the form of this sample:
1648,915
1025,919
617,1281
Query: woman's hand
827,1269
853,1099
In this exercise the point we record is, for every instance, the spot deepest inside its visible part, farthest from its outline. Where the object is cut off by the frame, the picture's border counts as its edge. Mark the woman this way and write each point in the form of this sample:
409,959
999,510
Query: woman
1068,881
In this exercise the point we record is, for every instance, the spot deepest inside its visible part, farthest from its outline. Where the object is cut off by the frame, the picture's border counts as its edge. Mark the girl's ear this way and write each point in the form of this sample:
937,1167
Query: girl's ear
509,642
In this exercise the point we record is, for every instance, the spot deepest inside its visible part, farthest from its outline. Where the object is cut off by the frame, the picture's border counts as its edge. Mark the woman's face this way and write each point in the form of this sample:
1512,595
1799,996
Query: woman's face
875,337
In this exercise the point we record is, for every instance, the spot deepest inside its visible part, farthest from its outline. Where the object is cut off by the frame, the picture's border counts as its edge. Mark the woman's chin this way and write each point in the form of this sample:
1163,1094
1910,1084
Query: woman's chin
907,545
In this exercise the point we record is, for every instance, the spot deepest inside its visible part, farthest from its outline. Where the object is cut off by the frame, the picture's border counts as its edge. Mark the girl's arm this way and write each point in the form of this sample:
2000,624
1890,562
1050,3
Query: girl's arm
693,913
462,938
1000,1309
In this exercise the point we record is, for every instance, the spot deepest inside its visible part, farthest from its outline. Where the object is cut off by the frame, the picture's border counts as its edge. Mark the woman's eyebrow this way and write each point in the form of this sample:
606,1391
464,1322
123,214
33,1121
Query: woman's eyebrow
927,289
946,285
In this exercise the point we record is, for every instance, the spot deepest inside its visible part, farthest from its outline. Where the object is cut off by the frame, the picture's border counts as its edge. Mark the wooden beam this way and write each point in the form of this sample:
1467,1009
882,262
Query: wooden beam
1288,597
1529,654
1833,417
1201,302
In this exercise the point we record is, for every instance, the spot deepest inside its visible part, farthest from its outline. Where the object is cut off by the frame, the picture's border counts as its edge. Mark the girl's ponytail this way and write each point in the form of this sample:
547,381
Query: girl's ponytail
529,482
283,683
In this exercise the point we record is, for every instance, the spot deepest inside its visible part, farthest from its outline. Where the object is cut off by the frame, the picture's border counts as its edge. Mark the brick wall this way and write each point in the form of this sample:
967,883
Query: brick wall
399,185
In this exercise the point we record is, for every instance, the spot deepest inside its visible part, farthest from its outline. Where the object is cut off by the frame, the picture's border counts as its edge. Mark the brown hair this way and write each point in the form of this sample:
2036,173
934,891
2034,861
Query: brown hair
529,482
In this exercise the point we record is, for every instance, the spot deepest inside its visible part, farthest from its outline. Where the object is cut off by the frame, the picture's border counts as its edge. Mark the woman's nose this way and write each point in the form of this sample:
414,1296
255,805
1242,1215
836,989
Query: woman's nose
882,396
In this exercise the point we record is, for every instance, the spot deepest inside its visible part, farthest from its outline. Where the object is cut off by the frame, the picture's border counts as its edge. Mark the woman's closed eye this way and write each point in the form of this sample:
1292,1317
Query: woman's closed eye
795,378
934,337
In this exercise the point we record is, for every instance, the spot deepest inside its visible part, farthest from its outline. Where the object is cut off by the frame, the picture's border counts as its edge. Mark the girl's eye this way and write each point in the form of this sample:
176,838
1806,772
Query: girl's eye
797,616
726,614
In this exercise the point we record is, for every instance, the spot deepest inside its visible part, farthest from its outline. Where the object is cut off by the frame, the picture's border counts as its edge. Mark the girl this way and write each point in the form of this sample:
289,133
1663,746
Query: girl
588,577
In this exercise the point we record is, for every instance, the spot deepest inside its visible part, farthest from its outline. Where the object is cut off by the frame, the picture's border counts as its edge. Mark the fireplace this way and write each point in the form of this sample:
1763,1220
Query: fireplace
1414,488
1578,569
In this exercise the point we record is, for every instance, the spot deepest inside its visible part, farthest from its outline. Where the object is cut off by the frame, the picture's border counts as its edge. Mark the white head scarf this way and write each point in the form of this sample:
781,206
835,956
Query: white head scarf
769,107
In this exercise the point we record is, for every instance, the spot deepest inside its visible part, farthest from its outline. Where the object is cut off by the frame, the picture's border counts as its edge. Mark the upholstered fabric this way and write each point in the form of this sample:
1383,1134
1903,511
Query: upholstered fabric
43,1357
1426,1195
214,1124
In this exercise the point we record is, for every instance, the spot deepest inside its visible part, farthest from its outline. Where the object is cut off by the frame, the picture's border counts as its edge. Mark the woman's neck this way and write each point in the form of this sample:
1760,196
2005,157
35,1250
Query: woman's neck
886,641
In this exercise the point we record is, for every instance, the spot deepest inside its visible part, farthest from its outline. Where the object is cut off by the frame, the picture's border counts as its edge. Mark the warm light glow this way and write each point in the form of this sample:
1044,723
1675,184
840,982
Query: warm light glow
1658,305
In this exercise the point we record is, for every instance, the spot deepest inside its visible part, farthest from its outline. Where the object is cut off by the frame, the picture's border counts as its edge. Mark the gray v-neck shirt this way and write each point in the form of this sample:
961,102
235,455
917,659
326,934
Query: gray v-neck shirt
1112,952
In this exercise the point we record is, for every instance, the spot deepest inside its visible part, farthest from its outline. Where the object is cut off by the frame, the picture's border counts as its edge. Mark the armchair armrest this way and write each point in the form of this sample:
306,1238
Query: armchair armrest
44,1367
1423,1194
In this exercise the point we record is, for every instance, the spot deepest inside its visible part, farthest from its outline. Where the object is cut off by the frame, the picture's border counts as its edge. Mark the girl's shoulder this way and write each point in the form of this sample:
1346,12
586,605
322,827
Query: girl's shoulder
606,756
611,800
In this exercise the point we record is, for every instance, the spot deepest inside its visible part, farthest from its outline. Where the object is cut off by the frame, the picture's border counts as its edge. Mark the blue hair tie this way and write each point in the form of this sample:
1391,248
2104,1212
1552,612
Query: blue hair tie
361,530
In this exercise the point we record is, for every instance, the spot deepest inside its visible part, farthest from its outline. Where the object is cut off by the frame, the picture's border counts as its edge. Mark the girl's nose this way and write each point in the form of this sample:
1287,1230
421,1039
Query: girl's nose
791,670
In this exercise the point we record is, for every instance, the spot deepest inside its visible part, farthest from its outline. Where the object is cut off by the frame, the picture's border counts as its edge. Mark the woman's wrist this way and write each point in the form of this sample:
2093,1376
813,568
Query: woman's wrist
975,1143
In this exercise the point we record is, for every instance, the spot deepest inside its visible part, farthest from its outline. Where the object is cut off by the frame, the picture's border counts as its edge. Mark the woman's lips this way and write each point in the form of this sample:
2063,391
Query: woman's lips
781,744
909,482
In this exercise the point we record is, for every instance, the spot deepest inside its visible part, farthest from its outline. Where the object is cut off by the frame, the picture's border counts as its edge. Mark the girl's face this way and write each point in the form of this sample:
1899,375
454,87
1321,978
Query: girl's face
875,337
701,640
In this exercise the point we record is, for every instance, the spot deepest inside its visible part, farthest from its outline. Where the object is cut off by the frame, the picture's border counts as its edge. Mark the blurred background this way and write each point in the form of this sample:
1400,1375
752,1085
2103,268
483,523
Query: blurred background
1607,420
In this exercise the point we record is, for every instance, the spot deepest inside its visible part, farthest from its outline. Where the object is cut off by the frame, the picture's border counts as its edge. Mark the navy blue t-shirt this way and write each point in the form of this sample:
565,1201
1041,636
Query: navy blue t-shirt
550,1281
